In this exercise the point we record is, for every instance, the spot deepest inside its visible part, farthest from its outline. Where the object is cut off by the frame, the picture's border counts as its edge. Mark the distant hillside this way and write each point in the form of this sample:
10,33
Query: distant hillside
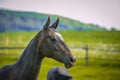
32,21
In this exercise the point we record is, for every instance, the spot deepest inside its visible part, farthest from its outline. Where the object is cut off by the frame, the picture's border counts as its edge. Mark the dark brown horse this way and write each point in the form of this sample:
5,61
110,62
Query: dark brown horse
47,43
58,73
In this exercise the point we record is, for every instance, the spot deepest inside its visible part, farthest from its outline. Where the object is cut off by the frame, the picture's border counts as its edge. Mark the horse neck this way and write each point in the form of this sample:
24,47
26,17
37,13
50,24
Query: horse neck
29,64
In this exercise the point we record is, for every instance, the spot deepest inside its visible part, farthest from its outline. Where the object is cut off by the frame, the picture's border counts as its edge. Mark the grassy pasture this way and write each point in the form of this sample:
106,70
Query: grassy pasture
104,55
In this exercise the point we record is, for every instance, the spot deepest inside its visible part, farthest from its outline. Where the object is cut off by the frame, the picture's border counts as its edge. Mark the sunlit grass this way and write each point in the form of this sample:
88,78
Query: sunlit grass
104,55
96,70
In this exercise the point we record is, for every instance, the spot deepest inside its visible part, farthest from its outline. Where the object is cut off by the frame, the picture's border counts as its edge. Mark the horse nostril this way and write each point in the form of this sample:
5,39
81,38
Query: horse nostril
72,59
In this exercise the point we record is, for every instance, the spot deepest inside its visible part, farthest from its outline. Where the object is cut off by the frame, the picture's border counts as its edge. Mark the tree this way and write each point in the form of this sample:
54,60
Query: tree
113,29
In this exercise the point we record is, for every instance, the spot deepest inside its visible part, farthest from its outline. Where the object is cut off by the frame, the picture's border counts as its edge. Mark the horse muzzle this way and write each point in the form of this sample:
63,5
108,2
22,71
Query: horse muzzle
70,62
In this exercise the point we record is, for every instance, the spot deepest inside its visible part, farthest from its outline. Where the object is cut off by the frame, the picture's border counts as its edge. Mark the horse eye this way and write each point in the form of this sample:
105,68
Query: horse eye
53,39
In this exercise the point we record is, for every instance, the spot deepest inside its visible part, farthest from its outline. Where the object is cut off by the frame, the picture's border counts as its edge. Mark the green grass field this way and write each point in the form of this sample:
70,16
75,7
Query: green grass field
104,53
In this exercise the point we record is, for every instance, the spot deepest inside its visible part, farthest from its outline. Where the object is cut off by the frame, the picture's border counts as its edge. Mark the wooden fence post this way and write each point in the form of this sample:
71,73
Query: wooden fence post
87,56
7,41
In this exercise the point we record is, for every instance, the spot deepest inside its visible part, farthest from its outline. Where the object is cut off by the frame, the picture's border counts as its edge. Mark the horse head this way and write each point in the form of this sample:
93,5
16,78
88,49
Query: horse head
52,45
58,73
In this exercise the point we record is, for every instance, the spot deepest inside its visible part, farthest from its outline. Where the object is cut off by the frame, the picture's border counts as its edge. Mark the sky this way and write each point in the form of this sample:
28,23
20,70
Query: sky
102,12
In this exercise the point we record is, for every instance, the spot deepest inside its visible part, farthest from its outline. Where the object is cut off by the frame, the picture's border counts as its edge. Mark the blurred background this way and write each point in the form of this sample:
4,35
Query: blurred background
91,30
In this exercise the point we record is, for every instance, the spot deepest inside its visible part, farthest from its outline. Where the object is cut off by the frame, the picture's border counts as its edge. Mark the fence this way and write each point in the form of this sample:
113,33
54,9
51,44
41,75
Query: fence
86,48
111,55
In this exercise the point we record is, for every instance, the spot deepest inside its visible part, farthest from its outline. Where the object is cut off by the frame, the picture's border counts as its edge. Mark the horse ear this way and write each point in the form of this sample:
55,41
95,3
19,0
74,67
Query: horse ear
55,24
46,26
